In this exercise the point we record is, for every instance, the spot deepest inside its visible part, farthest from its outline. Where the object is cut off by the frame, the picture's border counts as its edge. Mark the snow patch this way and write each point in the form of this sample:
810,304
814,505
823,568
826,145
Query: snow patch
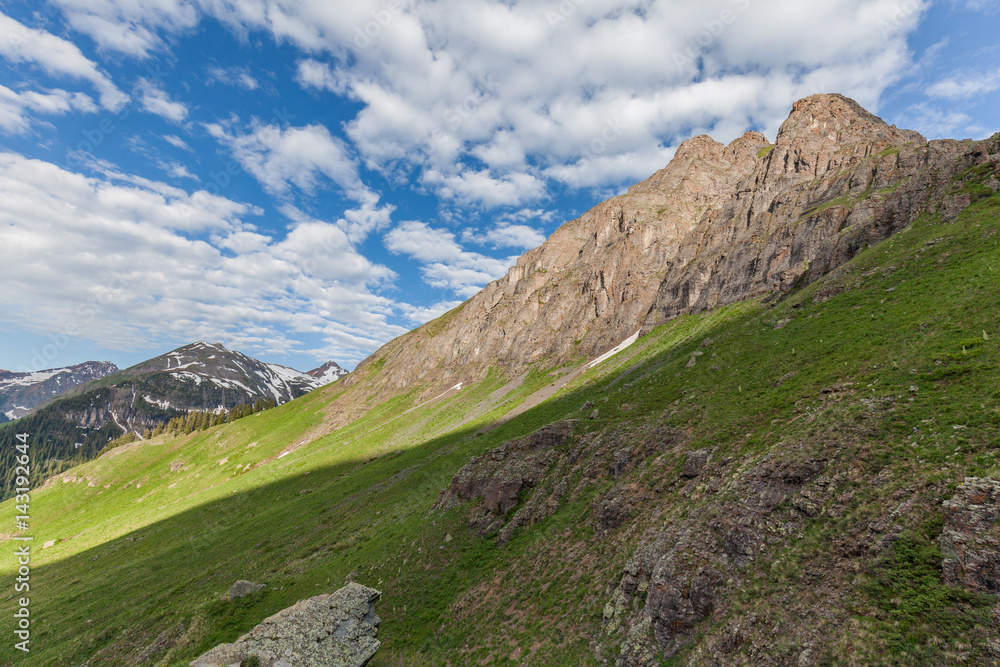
612,352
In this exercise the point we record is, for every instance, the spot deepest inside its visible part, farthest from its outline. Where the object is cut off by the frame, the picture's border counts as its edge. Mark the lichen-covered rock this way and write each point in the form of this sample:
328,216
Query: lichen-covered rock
334,630
242,588
970,541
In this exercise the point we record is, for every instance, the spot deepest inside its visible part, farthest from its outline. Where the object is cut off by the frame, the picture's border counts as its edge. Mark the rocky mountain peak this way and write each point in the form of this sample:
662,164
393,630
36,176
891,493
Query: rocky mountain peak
824,132
328,372
717,225
702,147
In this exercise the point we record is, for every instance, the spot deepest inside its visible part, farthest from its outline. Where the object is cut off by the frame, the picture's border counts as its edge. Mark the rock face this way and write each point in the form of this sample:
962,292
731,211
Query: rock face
717,225
499,477
970,541
335,630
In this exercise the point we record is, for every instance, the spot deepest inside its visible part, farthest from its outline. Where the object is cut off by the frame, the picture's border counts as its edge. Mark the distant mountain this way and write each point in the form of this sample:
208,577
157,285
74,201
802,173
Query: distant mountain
22,392
81,421
328,372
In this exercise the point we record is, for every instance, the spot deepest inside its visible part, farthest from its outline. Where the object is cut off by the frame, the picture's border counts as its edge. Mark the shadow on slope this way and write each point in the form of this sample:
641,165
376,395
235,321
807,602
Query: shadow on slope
846,353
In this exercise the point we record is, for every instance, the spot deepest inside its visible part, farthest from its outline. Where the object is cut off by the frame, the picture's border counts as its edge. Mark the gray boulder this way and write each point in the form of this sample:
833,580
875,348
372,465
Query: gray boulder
334,630
242,588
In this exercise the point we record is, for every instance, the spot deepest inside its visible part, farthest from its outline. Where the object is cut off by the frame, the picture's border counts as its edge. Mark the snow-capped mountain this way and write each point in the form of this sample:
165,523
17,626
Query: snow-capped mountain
205,376
79,422
22,392
328,372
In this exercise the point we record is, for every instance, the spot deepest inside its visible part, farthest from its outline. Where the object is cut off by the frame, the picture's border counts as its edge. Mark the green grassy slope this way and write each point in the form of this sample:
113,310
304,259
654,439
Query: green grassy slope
897,353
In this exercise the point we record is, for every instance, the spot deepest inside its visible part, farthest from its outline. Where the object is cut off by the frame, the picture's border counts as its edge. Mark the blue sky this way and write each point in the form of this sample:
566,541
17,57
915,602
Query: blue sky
304,180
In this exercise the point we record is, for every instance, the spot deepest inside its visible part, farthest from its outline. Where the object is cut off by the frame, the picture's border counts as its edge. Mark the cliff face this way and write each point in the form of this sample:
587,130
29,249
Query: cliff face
719,224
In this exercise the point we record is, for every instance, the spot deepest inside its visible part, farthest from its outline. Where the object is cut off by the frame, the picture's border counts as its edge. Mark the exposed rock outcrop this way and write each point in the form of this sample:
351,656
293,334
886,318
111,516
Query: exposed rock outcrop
970,541
335,630
500,476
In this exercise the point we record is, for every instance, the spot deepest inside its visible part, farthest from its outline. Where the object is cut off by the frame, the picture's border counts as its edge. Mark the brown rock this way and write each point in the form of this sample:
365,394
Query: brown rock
694,463
970,541
717,225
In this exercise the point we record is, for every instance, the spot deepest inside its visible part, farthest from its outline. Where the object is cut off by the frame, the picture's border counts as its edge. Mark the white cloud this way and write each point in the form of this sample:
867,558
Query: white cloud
965,85
178,170
988,6
57,57
506,235
489,103
122,261
280,158
233,76
484,187
155,100
320,76
177,142
419,316
446,265
132,27
15,107
934,122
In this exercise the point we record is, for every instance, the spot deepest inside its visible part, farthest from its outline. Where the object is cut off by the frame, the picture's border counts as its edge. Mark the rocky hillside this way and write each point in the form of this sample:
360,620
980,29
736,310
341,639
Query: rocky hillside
799,469
20,393
717,225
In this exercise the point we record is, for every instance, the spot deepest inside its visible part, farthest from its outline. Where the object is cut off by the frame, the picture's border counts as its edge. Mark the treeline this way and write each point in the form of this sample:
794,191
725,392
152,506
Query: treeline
56,444
197,421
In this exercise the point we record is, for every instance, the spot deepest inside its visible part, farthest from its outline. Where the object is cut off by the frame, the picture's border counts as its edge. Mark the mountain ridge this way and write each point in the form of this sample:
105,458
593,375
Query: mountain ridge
807,476
717,225
20,393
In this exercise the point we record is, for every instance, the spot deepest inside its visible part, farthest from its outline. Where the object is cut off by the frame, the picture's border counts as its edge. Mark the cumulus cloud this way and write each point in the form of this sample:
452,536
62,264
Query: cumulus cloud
155,100
420,315
319,76
124,261
291,160
964,85
281,158
239,77
446,265
506,235
16,107
132,28
491,104
57,57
